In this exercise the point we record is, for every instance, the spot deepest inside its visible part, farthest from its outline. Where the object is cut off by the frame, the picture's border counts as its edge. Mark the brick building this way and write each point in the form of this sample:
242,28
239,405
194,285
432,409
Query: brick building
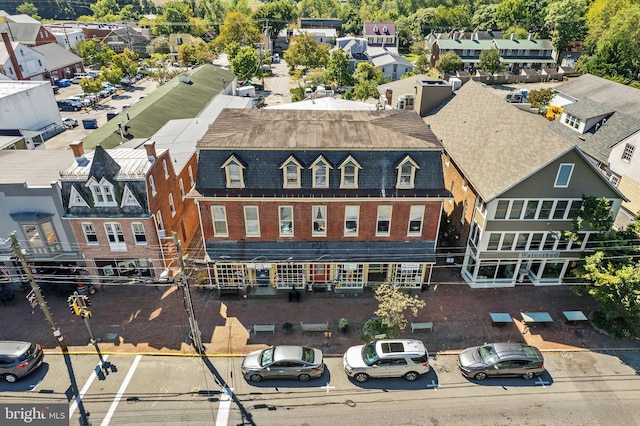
124,205
321,199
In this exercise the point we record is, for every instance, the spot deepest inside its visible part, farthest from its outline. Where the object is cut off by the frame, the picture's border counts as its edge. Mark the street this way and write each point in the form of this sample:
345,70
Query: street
585,388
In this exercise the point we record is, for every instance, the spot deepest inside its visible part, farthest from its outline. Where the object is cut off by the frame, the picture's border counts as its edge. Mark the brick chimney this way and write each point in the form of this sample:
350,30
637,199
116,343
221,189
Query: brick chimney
388,94
78,152
151,151
12,55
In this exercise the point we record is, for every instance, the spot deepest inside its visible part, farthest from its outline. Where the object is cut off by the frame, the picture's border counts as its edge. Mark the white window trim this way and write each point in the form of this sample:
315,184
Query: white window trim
246,222
213,222
84,231
152,184
166,169
227,170
160,224
77,200
291,161
105,189
314,166
144,232
560,167
182,193
314,232
416,233
351,162
172,205
191,175
115,245
346,232
285,234
414,166
128,199
388,231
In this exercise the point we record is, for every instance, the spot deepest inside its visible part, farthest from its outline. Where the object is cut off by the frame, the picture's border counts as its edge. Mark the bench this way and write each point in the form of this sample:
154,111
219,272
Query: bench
323,326
264,327
421,326
574,317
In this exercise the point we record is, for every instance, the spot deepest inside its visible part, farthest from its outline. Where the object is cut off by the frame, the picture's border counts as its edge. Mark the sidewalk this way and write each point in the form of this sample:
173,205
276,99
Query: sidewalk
141,319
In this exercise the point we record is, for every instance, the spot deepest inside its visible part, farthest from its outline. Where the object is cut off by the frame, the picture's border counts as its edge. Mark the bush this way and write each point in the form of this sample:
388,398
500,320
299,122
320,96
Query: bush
373,327
619,327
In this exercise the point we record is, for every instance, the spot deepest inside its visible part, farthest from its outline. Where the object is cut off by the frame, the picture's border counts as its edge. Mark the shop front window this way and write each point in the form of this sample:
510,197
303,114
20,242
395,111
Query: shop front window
350,275
408,275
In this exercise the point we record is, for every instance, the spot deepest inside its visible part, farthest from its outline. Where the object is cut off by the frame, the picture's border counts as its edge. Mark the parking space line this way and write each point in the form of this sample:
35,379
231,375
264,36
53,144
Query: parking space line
87,384
123,387
223,409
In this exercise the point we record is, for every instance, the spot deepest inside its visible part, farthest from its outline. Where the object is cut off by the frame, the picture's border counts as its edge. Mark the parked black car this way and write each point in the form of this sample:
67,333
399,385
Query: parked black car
69,106
501,360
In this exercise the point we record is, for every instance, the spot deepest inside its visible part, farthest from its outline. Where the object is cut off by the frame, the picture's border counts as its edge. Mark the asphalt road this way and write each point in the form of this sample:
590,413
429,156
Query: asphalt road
579,388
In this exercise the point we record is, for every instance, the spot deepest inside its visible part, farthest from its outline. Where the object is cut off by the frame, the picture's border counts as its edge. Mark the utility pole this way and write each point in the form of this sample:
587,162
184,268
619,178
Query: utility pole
17,250
196,338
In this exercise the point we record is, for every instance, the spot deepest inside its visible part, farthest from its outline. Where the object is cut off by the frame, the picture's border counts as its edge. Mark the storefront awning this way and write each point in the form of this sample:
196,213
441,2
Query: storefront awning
406,252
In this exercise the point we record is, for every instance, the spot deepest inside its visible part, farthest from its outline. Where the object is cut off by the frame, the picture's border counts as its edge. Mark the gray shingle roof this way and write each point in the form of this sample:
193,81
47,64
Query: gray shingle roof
618,96
496,144
585,108
56,56
597,143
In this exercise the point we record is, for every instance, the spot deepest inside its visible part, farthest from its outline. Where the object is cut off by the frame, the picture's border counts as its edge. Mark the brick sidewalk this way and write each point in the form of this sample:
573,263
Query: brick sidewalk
153,320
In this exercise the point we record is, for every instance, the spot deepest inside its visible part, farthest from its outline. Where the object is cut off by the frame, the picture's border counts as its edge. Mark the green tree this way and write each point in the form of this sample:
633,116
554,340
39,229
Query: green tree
175,18
393,303
538,98
127,62
246,64
306,52
448,62
29,9
525,14
599,17
423,63
238,29
338,69
94,52
490,61
484,17
319,8
93,85
159,45
566,21
277,15
612,269
367,78
113,75
105,10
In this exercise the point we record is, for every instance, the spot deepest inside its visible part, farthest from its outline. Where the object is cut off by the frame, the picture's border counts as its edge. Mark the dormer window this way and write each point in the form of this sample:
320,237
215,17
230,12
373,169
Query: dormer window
234,171
75,199
406,173
103,193
572,121
291,173
320,170
349,173
128,199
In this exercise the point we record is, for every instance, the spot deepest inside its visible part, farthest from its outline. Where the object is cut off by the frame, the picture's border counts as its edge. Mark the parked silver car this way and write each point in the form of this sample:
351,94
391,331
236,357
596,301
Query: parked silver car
387,358
283,362
19,359
501,359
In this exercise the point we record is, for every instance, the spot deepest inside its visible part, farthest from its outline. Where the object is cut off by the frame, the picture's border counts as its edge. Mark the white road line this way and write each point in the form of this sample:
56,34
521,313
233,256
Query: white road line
223,408
85,388
123,387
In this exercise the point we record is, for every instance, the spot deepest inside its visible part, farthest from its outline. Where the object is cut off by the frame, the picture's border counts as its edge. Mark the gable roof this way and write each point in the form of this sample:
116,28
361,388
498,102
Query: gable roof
451,44
56,56
618,96
372,28
598,141
494,143
533,44
147,116
21,30
296,129
390,58
16,166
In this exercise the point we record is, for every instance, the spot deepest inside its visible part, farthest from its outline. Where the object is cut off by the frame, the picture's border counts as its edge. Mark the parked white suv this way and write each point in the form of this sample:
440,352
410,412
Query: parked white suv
387,358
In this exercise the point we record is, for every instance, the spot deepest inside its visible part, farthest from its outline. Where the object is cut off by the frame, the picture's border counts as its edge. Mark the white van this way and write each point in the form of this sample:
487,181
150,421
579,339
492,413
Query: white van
77,77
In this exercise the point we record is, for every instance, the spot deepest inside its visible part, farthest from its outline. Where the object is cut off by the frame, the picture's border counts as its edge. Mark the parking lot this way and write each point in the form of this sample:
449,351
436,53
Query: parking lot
113,104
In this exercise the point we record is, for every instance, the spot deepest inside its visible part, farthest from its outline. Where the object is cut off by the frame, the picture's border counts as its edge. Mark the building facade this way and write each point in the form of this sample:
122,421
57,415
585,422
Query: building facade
516,187
319,199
